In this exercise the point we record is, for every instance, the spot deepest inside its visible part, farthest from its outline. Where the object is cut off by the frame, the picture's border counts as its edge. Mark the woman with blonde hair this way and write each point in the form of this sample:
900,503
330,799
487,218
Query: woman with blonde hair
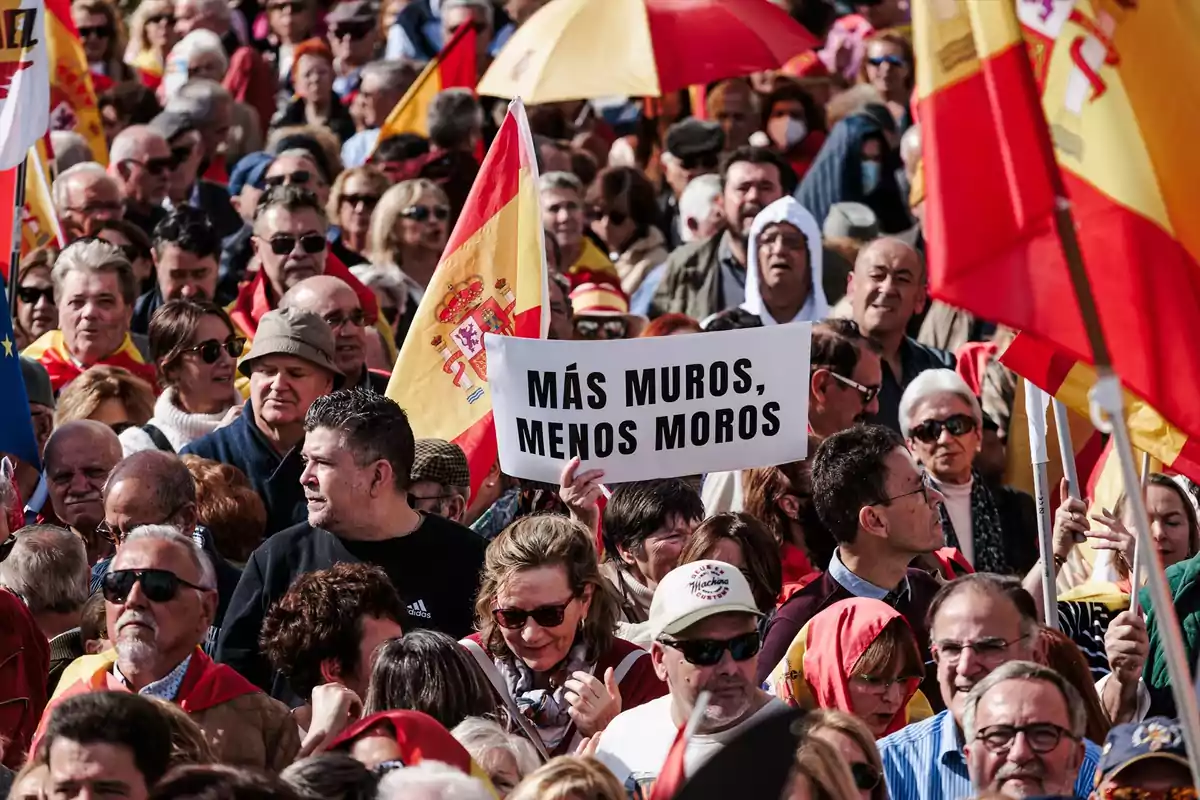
570,778
106,394
820,773
103,37
546,620
352,201
151,36
850,737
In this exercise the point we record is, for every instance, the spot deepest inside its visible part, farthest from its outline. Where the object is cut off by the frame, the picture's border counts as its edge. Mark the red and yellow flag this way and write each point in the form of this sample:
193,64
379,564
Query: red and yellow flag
452,68
1021,105
39,224
1070,380
72,95
491,279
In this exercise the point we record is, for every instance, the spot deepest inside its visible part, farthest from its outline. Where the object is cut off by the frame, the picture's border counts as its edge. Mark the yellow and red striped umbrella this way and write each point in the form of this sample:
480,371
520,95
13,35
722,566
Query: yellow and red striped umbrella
580,49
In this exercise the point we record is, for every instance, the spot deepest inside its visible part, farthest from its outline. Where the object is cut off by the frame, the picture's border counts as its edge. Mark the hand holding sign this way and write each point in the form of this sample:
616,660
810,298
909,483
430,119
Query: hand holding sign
580,492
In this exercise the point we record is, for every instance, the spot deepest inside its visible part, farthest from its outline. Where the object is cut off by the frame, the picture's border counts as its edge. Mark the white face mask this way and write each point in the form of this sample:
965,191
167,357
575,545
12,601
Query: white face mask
794,133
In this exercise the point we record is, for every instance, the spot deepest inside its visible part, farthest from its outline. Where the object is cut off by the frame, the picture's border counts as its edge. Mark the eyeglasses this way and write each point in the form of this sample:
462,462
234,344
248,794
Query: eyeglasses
930,430
157,18
988,650
423,213
368,200
872,684
614,328
98,31
355,317
159,585
923,490
30,295
1042,737
285,244
545,616
297,178
355,32
866,778
868,393
210,349
709,652
879,61
155,166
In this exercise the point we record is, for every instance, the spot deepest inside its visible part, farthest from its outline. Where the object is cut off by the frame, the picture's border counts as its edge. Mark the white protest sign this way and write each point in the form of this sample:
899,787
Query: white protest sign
658,407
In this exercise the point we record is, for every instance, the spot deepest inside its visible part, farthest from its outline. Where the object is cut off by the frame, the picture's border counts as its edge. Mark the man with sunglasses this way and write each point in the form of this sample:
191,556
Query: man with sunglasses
185,253
693,149
140,161
334,301
875,503
995,530
298,167
358,455
1024,726
977,623
160,599
353,39
846,374
704,626
84,196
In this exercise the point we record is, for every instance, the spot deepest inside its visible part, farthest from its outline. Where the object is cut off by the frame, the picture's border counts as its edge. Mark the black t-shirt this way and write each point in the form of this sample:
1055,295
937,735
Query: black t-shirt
435,569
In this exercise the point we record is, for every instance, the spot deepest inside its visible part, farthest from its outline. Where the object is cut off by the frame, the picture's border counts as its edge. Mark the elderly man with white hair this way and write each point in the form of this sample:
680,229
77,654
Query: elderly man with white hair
85,195
140,161
995,528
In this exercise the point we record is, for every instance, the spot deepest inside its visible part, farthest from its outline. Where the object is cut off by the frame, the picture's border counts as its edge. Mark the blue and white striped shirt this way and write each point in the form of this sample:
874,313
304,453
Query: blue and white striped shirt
925,761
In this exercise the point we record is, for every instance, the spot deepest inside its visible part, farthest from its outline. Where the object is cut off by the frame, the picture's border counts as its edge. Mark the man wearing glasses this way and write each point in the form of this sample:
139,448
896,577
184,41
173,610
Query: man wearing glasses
704,626
846,377
140,160
334,301
160,597
1024,728
978,623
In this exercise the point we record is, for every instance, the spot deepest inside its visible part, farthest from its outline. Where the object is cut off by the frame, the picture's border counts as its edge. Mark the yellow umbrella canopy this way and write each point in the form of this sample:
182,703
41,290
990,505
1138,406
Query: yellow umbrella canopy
582,49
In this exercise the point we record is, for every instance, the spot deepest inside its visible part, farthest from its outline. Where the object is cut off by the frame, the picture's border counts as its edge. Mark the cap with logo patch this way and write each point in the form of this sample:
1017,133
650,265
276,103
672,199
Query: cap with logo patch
696,591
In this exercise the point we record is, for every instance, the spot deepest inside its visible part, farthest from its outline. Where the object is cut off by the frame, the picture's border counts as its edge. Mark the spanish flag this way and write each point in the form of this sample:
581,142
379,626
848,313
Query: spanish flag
491,279
1025,107
1070,380
454,67
39,224
72,96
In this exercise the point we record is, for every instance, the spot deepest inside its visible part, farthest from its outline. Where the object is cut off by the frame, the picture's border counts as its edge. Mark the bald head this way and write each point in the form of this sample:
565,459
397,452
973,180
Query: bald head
95,439
150,487
886,288
79,456
139,160
333,300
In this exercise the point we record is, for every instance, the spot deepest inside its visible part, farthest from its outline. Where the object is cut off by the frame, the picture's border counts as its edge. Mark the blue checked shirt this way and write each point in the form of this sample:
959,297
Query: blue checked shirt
925,761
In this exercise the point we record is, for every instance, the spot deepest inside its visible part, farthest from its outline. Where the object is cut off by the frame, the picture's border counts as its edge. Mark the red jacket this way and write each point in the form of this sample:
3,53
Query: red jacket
24,668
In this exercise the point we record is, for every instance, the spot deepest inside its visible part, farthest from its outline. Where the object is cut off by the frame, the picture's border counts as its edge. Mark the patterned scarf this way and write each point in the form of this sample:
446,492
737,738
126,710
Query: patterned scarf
986,530
546,709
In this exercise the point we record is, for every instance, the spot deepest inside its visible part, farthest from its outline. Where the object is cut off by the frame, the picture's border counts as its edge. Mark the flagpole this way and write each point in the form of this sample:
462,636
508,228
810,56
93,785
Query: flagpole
1035,415
1066,449
14,261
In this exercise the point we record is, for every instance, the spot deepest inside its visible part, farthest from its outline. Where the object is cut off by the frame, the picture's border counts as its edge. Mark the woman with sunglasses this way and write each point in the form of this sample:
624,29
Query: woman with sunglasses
624,214
195,352
103,37
941,419
858,656
37,313
852,740
352,200
546,638
151,36
888,67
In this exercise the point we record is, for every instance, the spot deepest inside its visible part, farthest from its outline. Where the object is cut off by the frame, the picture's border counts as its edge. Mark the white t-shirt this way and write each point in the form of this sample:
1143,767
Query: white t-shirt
635,744
958,506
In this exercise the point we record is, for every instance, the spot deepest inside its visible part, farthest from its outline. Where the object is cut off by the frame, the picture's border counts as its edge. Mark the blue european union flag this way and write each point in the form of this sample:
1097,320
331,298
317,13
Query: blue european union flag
16,426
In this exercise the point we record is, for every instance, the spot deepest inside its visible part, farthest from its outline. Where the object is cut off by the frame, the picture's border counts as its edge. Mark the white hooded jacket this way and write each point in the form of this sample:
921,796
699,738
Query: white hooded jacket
786,209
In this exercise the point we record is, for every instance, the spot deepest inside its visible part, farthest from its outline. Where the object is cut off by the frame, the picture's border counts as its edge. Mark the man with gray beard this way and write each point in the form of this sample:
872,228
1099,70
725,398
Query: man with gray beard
160,599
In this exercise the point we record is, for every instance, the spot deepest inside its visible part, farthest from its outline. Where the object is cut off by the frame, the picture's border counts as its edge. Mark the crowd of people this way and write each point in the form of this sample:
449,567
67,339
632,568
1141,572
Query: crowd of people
238,572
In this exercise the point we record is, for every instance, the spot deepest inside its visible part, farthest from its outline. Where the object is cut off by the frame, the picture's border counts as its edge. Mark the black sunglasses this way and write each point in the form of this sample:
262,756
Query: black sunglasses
300,176
355,32
702,161
614,217
423,213
546,616
931,429
29,295
866,778
709,652
284,244
156,166
99,31
368,200
159,585
210,349
614,328
167,18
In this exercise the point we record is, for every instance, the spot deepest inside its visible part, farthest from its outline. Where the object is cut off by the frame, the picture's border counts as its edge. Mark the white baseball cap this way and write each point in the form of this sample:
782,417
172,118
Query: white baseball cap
698,590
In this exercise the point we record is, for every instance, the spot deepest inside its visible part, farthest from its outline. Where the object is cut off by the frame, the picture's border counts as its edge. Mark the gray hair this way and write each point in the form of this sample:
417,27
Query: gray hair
910,146
432,780
70,149
560,181
454,114
199,98
383,278
216,8
171,534
129,143
48,568
480,736
697,200
933,382
1024,671
482,7
392,73
94,255
61,189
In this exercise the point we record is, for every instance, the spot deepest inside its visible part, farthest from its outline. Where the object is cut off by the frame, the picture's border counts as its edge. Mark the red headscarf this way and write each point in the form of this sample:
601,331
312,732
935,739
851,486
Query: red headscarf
837,638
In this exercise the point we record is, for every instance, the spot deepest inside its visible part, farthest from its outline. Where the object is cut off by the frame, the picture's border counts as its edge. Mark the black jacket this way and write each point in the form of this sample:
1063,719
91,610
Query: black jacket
915,358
